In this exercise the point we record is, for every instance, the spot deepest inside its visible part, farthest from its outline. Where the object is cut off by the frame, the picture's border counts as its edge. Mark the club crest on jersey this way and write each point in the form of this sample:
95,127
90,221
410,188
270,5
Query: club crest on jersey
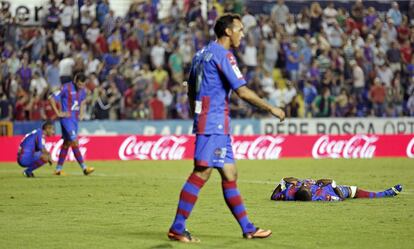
231,58
220,152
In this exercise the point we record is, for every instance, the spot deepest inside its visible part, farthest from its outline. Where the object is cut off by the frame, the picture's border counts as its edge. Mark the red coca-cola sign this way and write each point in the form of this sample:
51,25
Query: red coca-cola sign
162,148
358,146
410,148
244,147
257,147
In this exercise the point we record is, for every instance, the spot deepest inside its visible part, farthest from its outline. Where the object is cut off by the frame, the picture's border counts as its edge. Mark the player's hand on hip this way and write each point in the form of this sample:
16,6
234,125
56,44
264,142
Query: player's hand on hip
63,114
279,113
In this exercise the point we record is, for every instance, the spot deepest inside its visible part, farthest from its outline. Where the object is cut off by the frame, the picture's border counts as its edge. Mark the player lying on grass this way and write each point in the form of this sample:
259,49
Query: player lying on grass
294,189
31,153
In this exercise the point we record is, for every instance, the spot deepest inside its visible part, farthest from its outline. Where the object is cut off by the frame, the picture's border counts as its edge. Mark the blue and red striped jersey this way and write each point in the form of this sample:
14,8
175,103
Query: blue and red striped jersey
70,99
214,74
33,141
324,193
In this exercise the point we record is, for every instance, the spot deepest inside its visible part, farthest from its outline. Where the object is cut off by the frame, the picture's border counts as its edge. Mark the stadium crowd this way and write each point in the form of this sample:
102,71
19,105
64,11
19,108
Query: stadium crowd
321,62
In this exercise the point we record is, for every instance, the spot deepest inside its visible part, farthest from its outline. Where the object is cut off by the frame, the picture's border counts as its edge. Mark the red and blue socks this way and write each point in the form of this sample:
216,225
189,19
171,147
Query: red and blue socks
62,156
188,198
235,203
360,193
78,156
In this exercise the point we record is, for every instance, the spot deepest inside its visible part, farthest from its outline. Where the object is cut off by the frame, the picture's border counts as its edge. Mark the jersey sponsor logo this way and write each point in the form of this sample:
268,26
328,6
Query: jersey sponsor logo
358,146
198,105
236,70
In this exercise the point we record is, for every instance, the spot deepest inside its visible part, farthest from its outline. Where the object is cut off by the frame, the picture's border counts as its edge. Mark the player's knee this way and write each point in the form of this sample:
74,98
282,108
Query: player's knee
44,157
203,172
66,144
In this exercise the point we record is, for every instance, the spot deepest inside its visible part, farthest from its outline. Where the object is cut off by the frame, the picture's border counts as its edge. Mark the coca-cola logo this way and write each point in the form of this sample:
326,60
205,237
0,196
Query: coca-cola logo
410,148
54,149
263,147
358,146
165,148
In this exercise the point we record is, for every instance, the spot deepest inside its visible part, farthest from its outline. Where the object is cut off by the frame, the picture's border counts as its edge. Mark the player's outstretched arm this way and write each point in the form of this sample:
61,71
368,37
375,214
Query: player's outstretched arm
251,97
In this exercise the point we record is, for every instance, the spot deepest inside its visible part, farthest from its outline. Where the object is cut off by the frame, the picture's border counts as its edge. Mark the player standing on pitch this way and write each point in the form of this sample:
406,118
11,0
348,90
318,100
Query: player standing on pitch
32,153
71,96
214,74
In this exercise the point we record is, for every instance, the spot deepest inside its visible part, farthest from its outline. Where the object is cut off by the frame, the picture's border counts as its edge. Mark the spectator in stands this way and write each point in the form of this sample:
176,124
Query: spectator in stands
377,96
358,78
6,108
324,104
38,85
52,75
395,14
157,109
87,13
410,104
280,12
315,18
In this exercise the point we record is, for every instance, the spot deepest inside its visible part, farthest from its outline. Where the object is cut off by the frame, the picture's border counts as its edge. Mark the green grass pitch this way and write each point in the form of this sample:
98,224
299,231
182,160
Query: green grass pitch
131,205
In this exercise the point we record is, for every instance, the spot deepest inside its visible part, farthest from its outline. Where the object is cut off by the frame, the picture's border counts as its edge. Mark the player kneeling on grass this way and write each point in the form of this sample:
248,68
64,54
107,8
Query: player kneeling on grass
32,153
294,189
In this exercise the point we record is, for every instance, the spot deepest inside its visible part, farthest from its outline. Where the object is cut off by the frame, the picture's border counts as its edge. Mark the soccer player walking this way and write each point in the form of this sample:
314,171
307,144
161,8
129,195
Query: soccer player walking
214,74
32,153
71,98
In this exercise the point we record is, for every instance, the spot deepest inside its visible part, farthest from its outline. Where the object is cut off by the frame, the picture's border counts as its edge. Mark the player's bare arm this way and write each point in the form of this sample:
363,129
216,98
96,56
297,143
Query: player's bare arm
290,179
324,181
82,110
56,110
251,97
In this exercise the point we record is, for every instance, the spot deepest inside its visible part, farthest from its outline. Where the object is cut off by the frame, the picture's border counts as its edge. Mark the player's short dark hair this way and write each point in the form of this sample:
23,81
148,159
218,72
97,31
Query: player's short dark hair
223,22
47,123
80,77
303,194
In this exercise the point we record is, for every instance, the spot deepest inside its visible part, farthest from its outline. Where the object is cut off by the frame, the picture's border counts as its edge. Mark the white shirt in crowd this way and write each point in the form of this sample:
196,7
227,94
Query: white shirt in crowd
88,13
68,13
165,96
385,74
38,84
58,36
92,66
358,77
66,66
92,34
289,94
250,56
158,55
248,22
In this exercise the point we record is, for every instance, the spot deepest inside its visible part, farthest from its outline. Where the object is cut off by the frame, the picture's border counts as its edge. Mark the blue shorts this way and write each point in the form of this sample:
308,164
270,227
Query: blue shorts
28,159
213,151
69,129
346,191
